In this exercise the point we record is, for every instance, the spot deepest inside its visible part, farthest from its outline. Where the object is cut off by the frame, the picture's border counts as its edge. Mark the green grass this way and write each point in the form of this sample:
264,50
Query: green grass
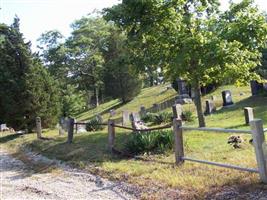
195,181
147,98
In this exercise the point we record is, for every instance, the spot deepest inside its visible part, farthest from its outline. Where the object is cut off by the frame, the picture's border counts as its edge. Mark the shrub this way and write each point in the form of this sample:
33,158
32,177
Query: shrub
149,117
94,125
157,118
150,142
188,116
163,117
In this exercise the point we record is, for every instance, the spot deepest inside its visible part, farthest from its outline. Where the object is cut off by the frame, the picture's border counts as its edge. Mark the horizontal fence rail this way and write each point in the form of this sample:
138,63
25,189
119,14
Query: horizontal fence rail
84,123
142,130
222,165
216,130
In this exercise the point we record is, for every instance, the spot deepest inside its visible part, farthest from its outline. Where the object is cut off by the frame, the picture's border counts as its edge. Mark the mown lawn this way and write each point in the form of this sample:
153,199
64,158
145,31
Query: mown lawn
193,180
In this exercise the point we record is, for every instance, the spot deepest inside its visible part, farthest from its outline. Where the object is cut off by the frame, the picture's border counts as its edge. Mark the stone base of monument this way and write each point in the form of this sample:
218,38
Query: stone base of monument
183,99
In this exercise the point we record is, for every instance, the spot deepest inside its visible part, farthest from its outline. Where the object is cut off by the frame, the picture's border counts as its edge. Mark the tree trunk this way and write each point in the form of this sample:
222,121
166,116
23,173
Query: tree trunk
96,96
200,115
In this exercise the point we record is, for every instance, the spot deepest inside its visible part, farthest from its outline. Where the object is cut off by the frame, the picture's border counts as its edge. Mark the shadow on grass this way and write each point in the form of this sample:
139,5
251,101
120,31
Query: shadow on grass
259,104
8,138
117,105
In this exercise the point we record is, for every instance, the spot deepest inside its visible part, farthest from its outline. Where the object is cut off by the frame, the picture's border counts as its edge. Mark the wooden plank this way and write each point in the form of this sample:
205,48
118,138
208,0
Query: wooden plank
178,141
216,130
259,144
39,127
70,130
111,134
222,165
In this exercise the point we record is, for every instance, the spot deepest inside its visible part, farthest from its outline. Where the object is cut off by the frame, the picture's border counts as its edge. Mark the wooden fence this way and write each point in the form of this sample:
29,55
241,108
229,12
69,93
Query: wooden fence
256,129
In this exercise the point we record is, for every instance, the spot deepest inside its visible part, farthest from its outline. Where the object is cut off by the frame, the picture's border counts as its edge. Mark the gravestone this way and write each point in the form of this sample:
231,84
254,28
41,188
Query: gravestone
249,114
210,107
112,113
125,117
255,87
136,122
227,98
177,111
182,89
3,127
142,111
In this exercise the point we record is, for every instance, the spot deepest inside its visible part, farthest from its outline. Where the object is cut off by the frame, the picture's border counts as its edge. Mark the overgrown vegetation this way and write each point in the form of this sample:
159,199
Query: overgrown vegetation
149,142
94,124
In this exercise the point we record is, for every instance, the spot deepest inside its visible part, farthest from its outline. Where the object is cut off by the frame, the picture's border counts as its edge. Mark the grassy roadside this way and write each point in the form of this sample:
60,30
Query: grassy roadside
192,180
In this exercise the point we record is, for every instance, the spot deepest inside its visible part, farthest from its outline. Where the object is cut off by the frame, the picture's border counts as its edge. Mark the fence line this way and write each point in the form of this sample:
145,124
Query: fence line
216,130
222,165
142,130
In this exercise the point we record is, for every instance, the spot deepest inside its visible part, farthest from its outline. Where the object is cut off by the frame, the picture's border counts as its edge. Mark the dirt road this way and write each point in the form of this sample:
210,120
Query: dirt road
20,182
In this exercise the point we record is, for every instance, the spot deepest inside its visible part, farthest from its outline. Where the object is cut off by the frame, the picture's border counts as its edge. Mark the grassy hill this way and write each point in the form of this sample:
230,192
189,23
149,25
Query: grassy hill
147,98
157,171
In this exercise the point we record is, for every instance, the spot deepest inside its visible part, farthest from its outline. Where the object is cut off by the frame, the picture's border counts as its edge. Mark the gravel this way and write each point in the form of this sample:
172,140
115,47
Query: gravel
20,182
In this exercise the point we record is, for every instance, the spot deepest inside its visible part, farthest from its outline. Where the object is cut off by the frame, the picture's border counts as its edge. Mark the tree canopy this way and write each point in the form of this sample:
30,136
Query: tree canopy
195,41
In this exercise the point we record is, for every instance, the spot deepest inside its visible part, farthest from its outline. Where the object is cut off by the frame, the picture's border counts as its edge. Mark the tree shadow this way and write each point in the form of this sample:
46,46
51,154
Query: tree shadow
106,110
8,138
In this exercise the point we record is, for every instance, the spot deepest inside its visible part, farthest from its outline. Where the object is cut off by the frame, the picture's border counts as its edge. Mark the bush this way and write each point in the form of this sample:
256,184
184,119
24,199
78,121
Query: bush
94,125
150,142
149,117
157,118
188,116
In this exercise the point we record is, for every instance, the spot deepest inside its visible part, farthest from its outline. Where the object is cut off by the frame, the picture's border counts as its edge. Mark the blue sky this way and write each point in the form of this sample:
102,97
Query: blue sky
38,16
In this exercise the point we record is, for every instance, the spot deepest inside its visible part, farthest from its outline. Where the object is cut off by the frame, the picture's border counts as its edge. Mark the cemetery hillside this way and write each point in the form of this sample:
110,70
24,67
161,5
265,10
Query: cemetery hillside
143,100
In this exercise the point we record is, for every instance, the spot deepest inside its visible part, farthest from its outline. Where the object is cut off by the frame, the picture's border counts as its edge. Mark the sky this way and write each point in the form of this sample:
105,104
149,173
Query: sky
39,16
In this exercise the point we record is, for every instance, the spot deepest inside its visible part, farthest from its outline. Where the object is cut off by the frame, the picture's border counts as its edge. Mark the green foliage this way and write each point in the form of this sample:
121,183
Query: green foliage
73,101
188,116
26,88
120,80
150,142
43,96
158,118
94,125
193,40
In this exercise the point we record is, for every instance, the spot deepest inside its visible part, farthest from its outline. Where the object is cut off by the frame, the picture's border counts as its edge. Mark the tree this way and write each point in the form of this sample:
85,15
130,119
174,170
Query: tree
197,42
85,53
120,78
26,88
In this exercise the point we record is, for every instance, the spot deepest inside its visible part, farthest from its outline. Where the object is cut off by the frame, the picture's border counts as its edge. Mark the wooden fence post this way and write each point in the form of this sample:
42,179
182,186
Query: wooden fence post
39,127
111,134
70,130
259,146
178,141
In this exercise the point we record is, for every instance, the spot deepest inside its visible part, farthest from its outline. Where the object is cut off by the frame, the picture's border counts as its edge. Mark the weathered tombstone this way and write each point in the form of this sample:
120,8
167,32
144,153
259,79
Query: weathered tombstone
210,107
136,123
142,111
39,127
249,114
227,98
125,117
3,127
177,111
255,87
112,112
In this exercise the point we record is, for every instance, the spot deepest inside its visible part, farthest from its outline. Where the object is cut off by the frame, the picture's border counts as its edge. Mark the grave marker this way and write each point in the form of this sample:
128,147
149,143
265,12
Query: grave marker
227,98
